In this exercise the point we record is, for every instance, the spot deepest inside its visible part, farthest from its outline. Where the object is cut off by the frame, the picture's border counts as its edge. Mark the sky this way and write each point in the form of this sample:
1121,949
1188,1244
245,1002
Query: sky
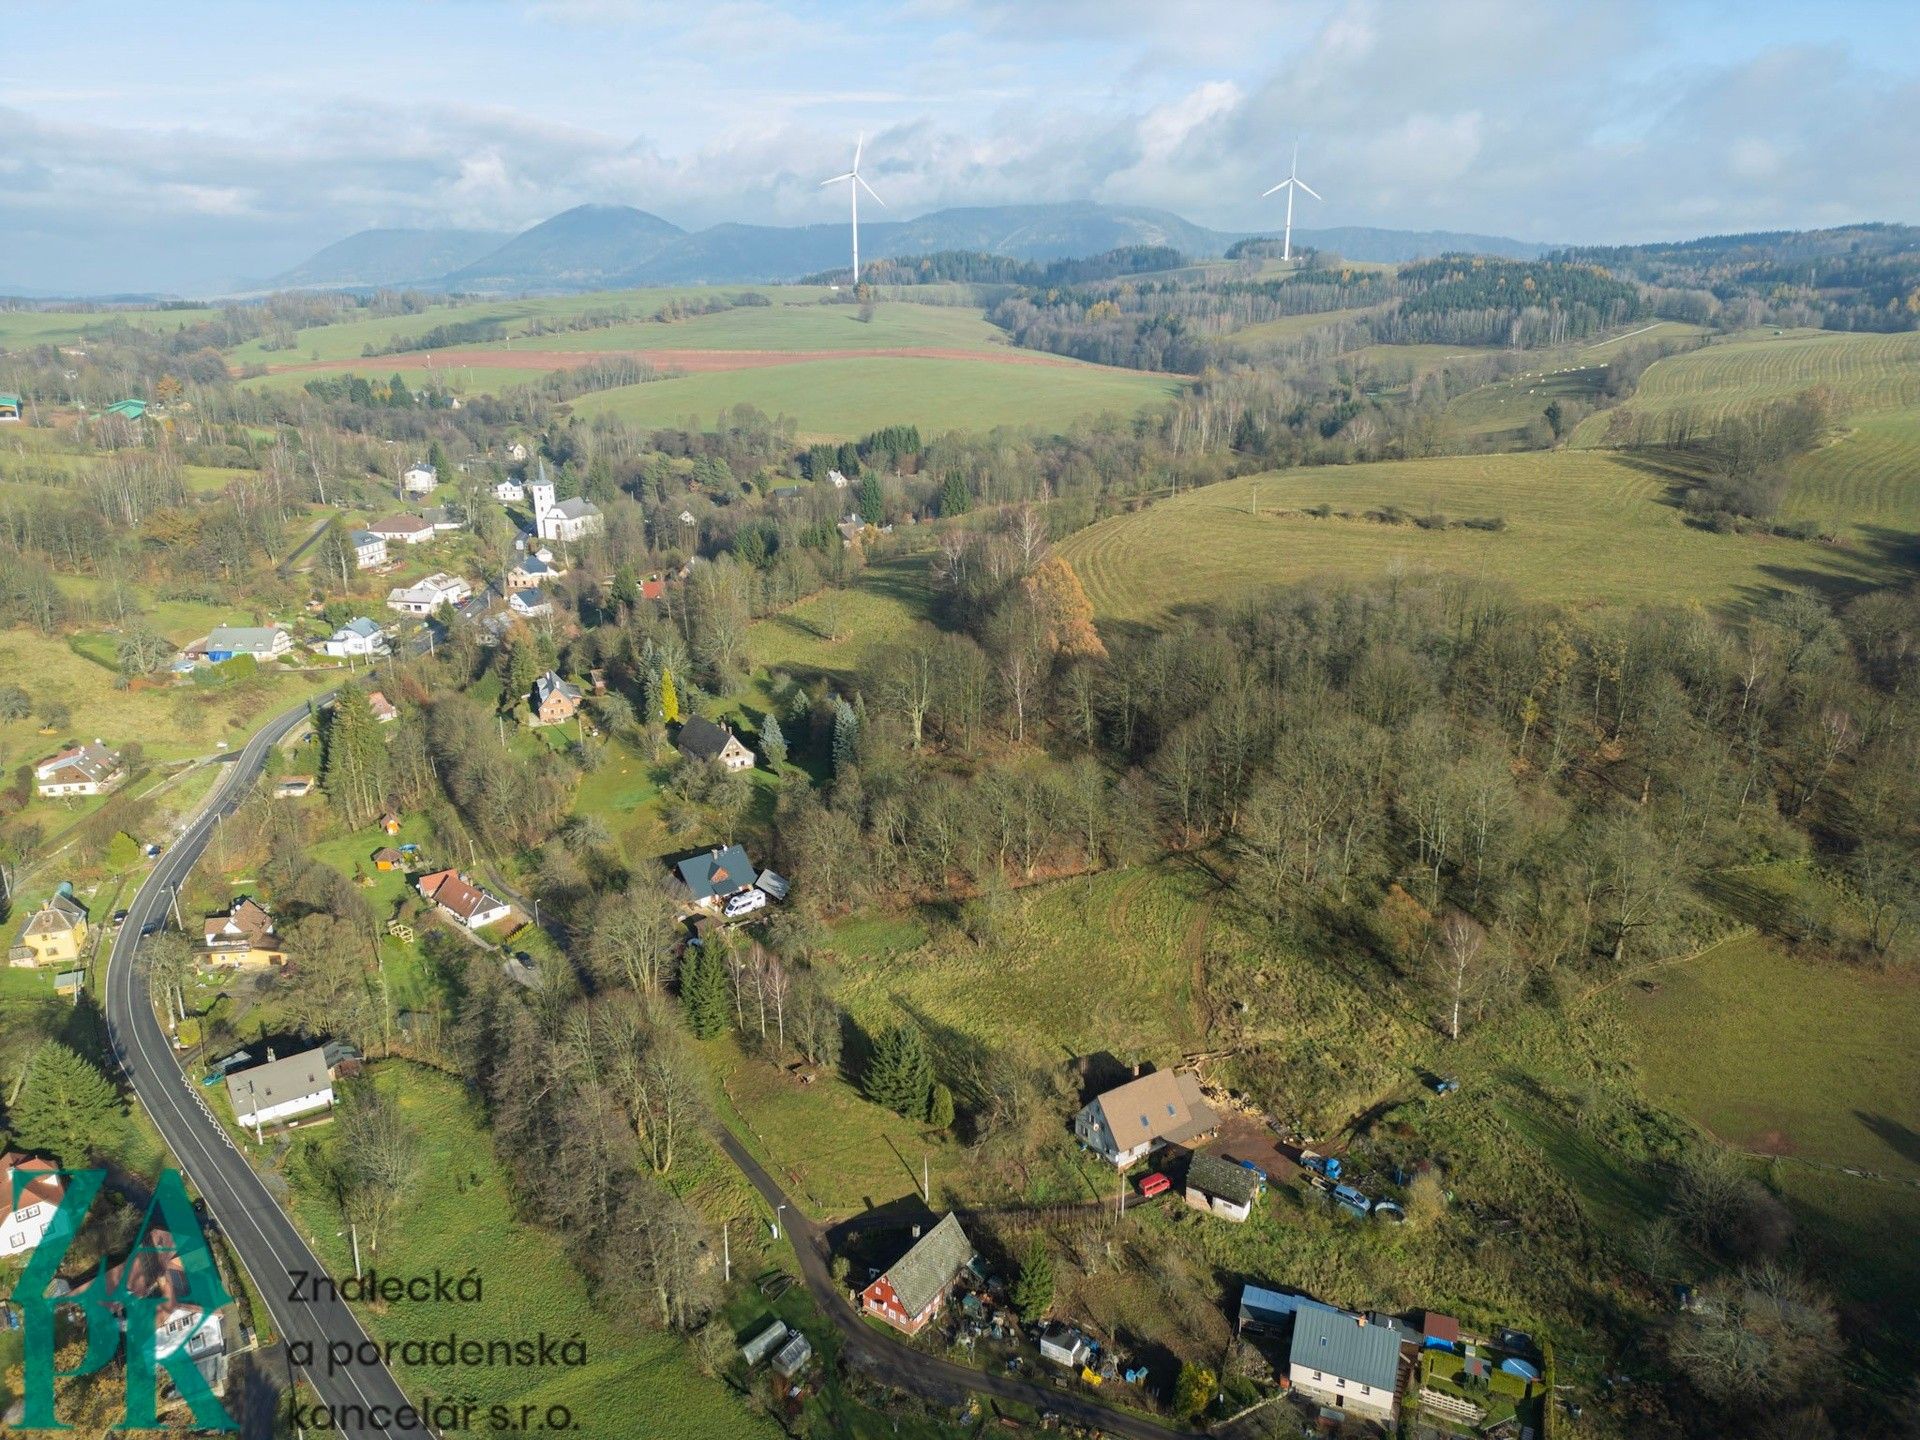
204,144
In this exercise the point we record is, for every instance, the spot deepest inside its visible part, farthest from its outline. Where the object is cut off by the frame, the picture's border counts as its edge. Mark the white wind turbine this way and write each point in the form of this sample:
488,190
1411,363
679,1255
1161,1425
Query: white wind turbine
856,182
1292,183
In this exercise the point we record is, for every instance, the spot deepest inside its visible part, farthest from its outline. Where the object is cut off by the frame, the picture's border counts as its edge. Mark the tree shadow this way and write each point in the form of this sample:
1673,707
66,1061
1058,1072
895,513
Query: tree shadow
1898,1136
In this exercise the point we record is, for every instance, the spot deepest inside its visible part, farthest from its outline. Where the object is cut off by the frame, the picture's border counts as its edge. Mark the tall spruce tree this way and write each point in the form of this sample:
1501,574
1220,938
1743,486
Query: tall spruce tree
66,1108
703,990
773,740
846,738
353,767
1033,1291
900,1074
669,698
954,499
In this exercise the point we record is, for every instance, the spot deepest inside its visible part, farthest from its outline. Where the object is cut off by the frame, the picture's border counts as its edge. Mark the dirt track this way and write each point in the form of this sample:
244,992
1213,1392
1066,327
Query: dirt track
690,361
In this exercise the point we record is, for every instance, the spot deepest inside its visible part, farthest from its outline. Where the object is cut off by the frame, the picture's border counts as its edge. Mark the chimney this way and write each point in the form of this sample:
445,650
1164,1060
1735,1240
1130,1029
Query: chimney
1360,1320
271,1057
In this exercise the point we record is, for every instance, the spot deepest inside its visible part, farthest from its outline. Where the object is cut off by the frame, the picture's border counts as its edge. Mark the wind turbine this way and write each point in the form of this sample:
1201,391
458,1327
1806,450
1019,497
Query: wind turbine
856,182
1292,183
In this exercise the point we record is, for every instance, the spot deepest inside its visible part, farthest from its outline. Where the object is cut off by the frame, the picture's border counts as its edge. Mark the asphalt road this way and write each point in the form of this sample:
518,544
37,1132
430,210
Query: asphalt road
897,1363
365,1398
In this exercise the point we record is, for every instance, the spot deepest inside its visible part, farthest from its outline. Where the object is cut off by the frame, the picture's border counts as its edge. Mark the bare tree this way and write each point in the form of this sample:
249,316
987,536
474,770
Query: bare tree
1462,939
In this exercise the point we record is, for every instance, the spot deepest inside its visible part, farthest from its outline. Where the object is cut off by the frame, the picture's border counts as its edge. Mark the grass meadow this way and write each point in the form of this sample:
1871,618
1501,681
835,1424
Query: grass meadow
843,399
1584,529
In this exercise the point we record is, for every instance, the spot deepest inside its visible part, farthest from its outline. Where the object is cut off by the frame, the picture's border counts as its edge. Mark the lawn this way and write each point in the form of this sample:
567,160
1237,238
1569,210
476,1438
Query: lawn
21,329
1582,528
458,1216
888,598
781,327
1784,1055
1868,478
843,399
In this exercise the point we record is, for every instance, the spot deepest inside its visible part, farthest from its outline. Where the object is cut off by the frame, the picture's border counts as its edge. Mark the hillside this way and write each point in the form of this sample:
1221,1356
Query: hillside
389,257
588,247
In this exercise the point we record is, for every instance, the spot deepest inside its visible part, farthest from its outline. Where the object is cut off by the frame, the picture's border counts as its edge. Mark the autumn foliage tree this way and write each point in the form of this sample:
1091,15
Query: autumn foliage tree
1064,612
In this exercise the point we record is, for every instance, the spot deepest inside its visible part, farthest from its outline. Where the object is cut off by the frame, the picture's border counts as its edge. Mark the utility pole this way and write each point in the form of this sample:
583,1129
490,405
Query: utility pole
726,1249
354,1230
926,1188
174,900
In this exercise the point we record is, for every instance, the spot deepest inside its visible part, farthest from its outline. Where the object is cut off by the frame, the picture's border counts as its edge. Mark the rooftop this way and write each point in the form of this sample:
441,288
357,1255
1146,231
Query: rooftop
1335,1342
928,1268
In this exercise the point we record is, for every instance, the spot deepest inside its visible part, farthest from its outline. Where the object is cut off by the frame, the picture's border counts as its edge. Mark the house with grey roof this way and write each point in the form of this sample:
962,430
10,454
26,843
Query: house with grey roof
710,877
1222,1187
369,549
262,642
281,1088
701,739
909,1295
1341,1359
1157,1109
358,637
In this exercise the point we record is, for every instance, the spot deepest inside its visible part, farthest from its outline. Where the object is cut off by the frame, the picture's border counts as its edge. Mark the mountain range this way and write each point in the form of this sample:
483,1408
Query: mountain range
600,247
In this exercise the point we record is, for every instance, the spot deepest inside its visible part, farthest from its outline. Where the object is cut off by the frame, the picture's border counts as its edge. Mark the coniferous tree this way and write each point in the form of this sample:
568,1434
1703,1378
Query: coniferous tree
846,737
900,1074
703,990
954,499
353,768
669,698
773,741
1033,1291
66,1109
940,1107
872,503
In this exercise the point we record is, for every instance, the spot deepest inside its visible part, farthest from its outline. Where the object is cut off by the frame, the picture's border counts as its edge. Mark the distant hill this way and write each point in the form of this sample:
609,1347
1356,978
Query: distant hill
592,247
589,247
1395,247
389,257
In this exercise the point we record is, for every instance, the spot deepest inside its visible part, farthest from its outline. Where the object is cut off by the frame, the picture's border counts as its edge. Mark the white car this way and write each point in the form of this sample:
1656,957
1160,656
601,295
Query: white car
745,903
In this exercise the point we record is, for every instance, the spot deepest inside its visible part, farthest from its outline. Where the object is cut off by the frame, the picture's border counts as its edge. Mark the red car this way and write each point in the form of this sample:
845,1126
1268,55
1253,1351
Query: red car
1154,1184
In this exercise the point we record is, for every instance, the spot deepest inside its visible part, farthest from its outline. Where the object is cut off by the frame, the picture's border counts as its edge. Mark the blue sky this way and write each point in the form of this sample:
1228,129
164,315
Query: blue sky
197,144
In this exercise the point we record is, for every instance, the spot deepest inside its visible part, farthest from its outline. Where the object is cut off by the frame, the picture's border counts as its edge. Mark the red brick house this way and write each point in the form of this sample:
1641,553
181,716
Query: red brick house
914,1288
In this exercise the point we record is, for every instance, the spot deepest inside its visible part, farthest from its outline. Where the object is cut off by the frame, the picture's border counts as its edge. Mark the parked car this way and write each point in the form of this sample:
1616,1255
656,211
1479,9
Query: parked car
745,903
1154,1184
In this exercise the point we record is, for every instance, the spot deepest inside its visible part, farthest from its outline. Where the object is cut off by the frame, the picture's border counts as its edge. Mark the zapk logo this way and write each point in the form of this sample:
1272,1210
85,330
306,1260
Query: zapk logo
175,1278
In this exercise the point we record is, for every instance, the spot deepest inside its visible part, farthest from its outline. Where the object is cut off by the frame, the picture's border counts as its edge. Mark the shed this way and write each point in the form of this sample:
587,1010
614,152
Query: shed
1440,1332
1270,1310
388,858
1221,1186
9,407
1064,1345
774,885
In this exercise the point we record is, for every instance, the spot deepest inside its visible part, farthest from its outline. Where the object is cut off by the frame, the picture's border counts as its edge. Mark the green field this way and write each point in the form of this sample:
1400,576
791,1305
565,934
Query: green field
842,399
1290,327
1584,528
20,329
458,1216
887,599
1868,372
790,325
1784,1055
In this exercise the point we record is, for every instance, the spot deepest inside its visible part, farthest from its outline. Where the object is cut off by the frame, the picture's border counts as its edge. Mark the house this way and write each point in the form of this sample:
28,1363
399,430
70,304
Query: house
359,637
533,571
530,604
127,409
82,770
155,1270
441,518
388,858
243,936
54,934
24,1221
1340,1359
1222,1187
262,642
401,529
913,1289
509,492
390,823
836,479
653,588
701,739
714,875
786,492
423,597
516,451
276,1090
686,517
369,549
9,409
461,900
293,787
555,701
385,712
1158,1109
419,479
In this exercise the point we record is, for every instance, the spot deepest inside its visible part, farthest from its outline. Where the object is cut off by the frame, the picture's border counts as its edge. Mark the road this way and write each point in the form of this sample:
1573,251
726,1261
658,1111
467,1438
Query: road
894,1362
367,1399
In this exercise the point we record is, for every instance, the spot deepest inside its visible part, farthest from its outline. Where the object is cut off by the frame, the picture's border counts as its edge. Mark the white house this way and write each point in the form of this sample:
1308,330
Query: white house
359,637
568,519
281,1089
1158,1109
533,571
428,595
836,479
369,549
509,492
262,642
419,479
401,529
462,901
84,770
155,1271
1344,1360
23,1223
530,603
516,451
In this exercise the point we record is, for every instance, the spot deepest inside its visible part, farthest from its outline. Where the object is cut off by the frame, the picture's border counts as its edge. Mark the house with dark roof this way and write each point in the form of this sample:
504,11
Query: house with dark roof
909,1295
701,739
530,604
1222,1187
1158,1109
532,571
1340,1359
555,701
709,878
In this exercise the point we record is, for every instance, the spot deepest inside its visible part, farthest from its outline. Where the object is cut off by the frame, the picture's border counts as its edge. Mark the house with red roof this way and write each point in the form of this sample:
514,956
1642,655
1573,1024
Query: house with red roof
24,1221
